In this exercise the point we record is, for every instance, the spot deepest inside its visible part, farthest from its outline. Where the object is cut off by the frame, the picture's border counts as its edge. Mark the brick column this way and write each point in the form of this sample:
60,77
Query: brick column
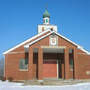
75,63
66,62
40,63
30,67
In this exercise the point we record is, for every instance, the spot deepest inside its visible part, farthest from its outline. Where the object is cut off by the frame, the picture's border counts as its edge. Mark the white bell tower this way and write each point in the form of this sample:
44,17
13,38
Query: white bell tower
46,23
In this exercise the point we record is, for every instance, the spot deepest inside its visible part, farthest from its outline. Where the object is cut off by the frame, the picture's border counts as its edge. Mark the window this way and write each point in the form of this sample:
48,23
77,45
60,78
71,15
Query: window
70,51
23,64
26,61
46,20
71,64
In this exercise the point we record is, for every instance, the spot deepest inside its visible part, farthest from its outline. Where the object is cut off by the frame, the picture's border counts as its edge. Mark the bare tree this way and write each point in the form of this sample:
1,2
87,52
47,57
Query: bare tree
1,66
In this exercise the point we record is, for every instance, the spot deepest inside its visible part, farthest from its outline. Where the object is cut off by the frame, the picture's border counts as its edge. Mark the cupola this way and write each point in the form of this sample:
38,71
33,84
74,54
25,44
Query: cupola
46,17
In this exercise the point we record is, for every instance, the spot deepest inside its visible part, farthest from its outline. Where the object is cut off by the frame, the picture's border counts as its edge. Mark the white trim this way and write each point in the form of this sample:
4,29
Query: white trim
78,46
66,39
23,70
25,42
49,34
56,40
27,46
16,52
60,47
81,48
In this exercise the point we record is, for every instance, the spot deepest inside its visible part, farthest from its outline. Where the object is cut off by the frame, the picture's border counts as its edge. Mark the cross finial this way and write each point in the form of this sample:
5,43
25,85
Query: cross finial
46,6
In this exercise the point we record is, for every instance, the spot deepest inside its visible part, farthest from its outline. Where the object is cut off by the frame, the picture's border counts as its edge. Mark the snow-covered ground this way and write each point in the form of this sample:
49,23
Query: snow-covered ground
19,86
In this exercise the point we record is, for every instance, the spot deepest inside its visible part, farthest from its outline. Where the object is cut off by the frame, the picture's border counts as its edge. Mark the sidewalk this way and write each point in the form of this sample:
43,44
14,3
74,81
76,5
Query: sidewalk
54,82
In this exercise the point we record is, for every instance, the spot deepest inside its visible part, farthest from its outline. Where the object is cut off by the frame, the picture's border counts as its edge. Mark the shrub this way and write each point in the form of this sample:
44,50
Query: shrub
3,78
10,79
41,83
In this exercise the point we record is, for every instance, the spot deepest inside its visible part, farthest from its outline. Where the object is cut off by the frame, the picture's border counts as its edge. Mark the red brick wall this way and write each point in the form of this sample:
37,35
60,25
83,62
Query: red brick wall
12,67
12,61
83,66
63,42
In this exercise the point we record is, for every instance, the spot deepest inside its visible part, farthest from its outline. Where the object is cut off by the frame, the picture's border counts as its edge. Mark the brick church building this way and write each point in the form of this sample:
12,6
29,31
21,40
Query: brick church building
47,55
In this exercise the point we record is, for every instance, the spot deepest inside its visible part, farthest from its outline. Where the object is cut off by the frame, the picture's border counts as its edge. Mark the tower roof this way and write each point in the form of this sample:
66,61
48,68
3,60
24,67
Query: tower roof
46,14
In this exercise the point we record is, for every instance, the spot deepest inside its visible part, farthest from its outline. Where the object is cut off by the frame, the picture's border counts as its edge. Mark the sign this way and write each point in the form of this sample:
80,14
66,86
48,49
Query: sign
53,40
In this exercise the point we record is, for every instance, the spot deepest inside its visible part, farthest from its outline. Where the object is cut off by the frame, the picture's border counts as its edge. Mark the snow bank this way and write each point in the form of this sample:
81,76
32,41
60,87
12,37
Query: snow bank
7,84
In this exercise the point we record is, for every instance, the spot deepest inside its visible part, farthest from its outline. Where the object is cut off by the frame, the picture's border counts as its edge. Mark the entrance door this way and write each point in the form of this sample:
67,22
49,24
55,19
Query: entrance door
50,68
59,69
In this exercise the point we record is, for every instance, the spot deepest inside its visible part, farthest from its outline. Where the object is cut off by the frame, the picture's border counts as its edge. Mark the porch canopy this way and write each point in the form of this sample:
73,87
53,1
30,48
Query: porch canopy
49,49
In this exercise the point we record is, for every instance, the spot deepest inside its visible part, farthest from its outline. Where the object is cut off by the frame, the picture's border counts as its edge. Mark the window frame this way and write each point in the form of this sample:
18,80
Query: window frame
23,69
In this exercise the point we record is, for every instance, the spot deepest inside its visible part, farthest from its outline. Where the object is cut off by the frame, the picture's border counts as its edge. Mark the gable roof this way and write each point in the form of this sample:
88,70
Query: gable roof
46,36
27,45
78,46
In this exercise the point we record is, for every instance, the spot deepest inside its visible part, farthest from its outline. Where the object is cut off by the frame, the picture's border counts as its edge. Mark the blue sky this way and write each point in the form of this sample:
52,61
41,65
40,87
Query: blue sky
19,20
